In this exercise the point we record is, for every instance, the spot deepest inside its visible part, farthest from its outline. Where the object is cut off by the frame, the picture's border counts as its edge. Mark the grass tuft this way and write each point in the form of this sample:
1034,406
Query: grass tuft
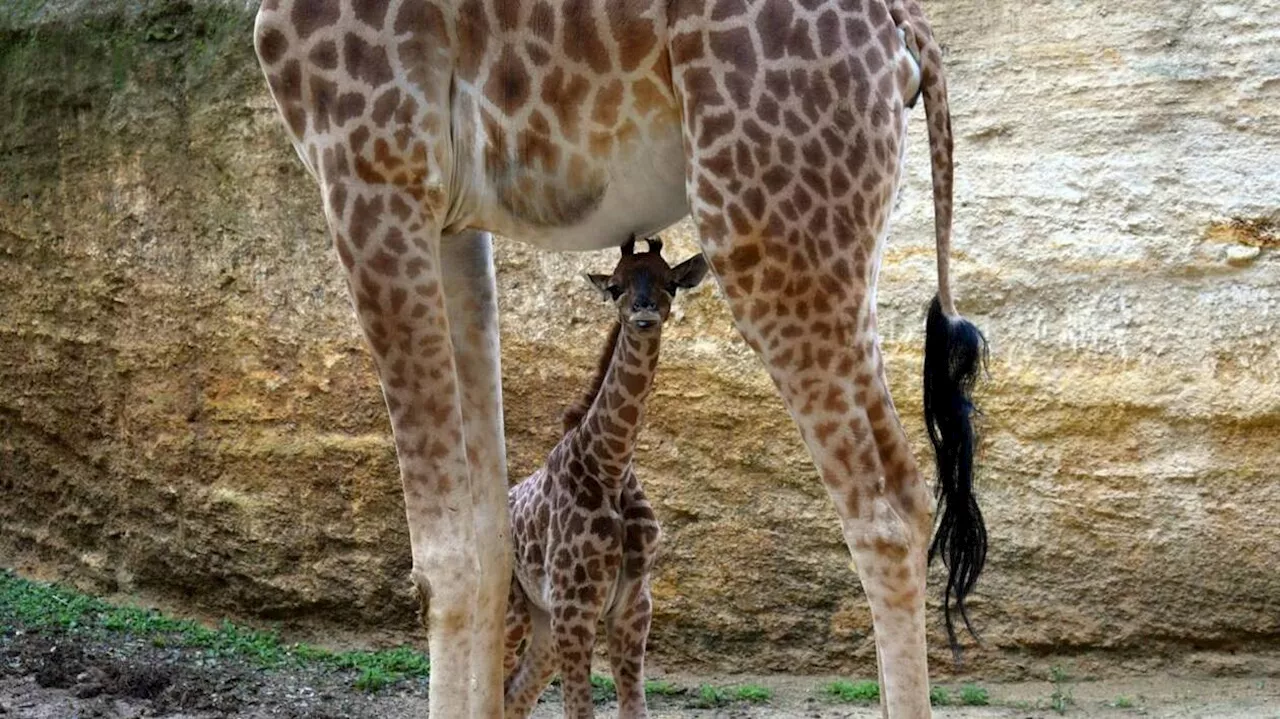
939,696
662,688
1061,698
863,692
44,606
974,696
753,693
707,696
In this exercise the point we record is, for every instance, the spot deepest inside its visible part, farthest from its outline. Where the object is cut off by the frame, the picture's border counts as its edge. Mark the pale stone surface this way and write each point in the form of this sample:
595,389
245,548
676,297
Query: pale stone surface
189,411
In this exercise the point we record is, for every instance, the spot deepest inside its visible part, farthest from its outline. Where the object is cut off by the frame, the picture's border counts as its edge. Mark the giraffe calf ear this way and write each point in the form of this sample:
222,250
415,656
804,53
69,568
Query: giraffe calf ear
689,273
601,283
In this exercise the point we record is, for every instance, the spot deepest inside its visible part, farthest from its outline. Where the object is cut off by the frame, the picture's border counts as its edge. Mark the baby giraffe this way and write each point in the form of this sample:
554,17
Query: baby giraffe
585,536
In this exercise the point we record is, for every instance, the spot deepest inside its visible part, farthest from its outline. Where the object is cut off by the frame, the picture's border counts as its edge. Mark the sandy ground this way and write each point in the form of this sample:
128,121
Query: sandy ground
61,676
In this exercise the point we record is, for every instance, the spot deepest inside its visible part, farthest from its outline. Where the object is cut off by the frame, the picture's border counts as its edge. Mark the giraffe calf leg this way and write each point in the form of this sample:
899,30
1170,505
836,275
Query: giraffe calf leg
519,626
628,632
533,671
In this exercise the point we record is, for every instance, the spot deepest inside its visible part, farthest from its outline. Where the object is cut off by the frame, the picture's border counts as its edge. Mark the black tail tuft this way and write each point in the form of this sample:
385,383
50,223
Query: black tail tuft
954,352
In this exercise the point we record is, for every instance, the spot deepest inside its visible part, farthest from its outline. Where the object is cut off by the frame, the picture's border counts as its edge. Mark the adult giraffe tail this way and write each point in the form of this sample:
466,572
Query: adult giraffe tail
954,352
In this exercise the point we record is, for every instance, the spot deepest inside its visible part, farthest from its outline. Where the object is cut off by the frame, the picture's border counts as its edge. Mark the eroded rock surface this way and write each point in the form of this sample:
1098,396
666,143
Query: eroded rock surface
188,410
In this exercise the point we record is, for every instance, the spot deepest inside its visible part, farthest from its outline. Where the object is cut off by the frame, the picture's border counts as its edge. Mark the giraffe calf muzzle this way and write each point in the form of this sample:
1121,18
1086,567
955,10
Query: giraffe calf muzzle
646,319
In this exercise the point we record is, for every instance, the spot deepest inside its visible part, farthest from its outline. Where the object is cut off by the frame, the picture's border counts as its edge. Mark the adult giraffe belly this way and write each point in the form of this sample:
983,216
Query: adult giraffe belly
600,193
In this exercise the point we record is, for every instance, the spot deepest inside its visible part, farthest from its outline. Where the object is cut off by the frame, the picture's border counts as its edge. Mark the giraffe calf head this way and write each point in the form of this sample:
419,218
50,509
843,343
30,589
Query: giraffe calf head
643,284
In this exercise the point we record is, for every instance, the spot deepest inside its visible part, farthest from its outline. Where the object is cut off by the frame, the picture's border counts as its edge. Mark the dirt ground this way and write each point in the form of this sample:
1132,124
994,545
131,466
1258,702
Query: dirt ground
65,676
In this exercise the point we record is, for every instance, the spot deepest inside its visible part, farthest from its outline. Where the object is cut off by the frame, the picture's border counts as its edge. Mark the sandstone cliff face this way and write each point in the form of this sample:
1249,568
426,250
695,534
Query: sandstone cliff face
188,410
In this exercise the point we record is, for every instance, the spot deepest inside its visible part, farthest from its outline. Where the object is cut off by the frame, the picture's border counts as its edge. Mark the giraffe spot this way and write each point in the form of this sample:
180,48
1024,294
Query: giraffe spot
633,35
744,258
385,105
507,13
726,9
708,193
565,96
856,31
776,178
365,216
542,22
815,181
537,54
366,62
349,106
590,495
608,103
799,44
371,12
338,200
721,163
296,118
739,85
395,241
581,40
754,201
647,96
773,26
714,127
271,45
818,221
323,102
473,37
873,59
686,48
738,218
604,527
508,85
537,151
311,15
423,19
396,298
735,48
803,201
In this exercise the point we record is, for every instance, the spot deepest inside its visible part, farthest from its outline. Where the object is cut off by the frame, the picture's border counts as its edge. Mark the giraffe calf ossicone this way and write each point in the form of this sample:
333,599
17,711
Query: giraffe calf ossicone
585,535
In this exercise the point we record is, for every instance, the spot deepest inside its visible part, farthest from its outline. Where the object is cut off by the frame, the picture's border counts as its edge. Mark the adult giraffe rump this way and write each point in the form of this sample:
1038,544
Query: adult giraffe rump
577,124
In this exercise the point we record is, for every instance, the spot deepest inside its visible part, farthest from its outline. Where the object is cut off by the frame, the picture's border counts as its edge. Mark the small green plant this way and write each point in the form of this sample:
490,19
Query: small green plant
939,696
1061,697
603,689
1123,703
662,688
852,692
372,679
974,696
709,697
753,693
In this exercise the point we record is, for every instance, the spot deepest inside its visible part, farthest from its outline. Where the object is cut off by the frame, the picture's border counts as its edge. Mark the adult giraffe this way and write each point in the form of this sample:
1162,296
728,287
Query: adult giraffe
577,124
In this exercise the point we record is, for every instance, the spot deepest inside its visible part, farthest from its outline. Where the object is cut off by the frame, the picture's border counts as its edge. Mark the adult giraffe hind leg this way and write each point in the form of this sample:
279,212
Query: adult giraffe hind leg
471,302
792,169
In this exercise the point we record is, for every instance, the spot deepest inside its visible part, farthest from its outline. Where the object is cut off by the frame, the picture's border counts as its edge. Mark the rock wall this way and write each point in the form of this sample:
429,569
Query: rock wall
188,412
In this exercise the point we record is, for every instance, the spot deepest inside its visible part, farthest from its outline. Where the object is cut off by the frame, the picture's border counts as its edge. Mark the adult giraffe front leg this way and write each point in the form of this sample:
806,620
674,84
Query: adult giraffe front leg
364,94
795,125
